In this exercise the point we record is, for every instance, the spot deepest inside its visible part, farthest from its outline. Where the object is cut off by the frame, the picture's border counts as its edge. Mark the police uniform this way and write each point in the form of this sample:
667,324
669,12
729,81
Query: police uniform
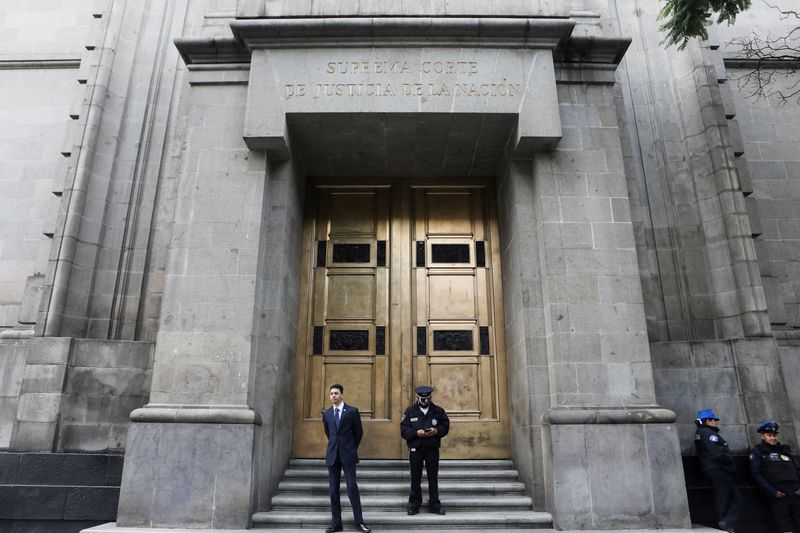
776,470
424,449
717,463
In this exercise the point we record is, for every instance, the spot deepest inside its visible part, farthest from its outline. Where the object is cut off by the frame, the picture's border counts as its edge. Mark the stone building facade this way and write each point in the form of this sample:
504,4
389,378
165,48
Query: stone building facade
161,164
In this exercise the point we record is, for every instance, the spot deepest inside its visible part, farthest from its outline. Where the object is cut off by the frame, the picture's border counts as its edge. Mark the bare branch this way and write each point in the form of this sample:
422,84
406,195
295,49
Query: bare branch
771,63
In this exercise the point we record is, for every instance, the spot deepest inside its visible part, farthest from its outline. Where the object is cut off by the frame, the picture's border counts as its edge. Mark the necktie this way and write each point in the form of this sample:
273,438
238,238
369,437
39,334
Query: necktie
336,417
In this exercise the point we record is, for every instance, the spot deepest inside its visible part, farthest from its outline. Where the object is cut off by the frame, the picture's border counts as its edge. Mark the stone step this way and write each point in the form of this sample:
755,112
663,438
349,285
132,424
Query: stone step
402,464
378,520
390,474
402,487
398,502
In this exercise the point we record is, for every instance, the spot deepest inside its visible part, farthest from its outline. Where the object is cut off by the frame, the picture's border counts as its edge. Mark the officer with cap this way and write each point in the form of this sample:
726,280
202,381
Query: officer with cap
716,462
423,426
777,472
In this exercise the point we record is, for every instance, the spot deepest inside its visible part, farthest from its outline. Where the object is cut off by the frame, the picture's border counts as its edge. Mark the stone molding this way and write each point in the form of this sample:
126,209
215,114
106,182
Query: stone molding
553,34
39,63
589,415
194,414
355,32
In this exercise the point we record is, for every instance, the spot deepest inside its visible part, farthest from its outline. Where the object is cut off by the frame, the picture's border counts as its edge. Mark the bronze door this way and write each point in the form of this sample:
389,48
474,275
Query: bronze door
400,288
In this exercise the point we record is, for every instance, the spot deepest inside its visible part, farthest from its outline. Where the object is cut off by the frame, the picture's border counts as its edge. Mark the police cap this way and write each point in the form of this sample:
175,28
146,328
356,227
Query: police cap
424,391
706,414
770,426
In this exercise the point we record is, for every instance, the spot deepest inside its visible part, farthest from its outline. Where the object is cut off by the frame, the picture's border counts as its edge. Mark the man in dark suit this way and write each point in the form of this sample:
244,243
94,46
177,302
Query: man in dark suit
342,424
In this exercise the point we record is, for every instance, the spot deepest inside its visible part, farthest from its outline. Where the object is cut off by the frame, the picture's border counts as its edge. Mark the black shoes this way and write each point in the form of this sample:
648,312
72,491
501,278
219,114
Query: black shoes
413,510
363,528
333,529
437,510
725,527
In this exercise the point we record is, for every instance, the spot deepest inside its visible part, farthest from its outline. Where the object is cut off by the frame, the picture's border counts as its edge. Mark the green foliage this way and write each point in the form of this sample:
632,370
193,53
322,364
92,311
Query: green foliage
684,19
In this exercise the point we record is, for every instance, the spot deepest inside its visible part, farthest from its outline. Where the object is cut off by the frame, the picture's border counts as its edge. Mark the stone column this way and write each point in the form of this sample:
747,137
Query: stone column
614,453
189,454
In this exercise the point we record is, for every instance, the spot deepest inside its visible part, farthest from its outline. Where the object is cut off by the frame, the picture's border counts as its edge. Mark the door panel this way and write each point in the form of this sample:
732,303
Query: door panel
456,298
401,289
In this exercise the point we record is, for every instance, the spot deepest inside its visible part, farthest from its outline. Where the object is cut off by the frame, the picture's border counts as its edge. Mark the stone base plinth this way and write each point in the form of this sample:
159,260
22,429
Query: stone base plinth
612,474
187,474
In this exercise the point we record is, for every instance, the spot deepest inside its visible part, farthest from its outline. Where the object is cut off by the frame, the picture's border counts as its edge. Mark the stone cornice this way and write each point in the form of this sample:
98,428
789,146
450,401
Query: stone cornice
593,50
391,32
38,63
356,32
212,50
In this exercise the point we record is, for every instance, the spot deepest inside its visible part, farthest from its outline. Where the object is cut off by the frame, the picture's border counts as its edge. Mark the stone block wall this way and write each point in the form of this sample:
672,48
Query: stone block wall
62,394
33,112
742,380
697,259
771,138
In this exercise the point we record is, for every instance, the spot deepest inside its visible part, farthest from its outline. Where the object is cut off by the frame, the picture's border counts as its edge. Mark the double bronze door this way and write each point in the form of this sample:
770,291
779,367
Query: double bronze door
400,288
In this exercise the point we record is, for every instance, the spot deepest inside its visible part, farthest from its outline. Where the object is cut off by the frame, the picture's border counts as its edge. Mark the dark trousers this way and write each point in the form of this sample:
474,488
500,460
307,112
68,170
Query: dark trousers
429,456
727,497
786,512
334,478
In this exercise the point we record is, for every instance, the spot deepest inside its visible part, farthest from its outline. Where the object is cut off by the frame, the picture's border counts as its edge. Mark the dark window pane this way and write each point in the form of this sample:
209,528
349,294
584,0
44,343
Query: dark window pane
452,340
381,253
317,349
450,253
480,254
350,253
322,247
420,253
349,339
422,340
484,333
380,340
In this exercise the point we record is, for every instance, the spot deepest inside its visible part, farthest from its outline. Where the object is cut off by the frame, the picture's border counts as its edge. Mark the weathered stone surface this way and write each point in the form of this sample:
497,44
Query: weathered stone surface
603,473
172,473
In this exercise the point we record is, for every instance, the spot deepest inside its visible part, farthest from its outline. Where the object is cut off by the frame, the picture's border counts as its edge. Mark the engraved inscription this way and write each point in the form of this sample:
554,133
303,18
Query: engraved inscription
455,79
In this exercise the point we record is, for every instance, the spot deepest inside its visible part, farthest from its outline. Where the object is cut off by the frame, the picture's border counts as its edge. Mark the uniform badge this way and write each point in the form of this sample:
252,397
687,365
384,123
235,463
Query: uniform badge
774,457
414,419
713,438
784,457
434,422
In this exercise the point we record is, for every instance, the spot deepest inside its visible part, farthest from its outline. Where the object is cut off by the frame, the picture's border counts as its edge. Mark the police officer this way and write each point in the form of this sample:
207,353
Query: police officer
423,426
716,461
777,472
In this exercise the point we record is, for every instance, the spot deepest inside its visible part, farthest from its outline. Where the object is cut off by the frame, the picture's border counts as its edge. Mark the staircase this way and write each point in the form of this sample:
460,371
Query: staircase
479,494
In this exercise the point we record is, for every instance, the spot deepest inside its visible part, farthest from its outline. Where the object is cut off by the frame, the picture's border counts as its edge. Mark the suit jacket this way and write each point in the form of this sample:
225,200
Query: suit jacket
344,441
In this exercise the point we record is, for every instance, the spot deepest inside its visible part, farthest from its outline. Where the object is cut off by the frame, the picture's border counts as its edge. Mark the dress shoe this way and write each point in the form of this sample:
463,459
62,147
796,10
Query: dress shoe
333,529
363,528
437,510
725,527
413,510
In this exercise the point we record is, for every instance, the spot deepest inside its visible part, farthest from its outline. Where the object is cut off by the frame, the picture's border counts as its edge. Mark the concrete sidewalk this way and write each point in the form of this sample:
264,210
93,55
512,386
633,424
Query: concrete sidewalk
112,528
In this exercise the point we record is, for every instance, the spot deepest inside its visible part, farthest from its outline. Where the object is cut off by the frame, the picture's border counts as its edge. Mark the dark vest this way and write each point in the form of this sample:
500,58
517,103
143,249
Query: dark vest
778,467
